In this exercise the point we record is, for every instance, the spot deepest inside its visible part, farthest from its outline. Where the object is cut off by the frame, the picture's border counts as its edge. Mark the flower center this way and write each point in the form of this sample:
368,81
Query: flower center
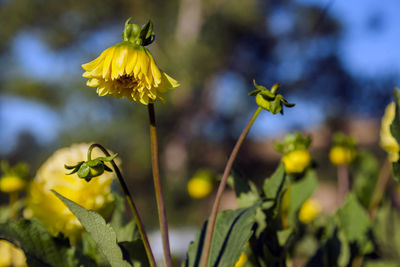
126,81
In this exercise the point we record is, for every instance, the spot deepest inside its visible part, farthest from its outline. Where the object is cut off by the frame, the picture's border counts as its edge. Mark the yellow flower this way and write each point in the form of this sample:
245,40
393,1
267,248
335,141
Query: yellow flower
199,188
128,70
242,260
341,155
11,183
309,210
10,255
296,161
387,142
44,205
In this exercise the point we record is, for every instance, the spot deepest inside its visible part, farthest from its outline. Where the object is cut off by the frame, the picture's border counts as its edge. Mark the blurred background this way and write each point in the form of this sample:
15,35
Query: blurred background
337,60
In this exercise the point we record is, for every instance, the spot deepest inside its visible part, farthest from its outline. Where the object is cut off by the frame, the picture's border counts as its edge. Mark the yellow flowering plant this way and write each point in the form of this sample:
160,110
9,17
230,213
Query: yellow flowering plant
72,216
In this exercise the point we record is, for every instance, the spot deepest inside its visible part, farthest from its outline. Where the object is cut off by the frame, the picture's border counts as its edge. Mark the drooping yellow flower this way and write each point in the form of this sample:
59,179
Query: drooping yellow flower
11,183
340,155
296,161
128,69
10,255
387,141
309,210
44,205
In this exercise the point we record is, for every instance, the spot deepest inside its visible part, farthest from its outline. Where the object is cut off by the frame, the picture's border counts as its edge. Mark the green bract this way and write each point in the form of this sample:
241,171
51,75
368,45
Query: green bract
292,142
268,99
140,36
91,168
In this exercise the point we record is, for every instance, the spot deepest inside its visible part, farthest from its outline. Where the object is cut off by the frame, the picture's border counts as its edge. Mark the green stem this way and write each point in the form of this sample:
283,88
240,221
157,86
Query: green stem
157,185
132,205
343,183
211,222
383,179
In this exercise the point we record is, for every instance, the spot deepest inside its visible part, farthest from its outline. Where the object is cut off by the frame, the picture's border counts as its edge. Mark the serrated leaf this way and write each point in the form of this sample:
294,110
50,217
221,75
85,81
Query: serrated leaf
103,234
233,229
39,246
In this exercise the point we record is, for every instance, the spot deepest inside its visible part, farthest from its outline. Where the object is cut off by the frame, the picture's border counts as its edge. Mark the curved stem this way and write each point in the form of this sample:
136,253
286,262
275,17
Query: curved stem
157,185
211,222
132,205
383,179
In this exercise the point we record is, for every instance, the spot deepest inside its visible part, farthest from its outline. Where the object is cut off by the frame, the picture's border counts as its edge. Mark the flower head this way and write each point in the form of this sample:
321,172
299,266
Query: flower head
296,161
387,141
309,210
343,150
14,179
200,185
41,202
128,69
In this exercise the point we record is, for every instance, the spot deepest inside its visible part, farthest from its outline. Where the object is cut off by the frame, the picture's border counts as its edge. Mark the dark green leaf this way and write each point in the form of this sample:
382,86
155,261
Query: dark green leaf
102,233
39,246
246,192
233,229
135,253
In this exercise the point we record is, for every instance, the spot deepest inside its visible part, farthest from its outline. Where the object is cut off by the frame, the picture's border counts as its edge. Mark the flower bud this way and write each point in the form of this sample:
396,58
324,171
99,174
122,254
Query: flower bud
387,141
343,150
296,161
200,185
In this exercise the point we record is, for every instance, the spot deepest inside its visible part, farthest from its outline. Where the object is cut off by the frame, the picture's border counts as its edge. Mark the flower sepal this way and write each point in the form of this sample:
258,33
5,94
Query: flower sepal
269,99
91,168
138,35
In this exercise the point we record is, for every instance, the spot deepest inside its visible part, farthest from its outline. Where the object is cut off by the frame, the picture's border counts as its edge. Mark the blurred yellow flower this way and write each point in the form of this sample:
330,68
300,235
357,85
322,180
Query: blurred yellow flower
10,255
339,155
44,205
309,210
199,188
242,260
11,183
296,161
387,142
128,70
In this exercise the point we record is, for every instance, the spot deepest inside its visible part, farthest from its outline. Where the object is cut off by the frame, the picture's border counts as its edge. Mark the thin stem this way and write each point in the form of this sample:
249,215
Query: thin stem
383,179
343,183
228,167
132,205
157,185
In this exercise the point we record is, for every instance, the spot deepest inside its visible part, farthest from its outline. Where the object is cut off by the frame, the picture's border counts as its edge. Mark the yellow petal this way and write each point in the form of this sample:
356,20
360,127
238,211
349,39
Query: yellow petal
107,62
102,91
167,83
118,63
93,64
87,74
93,82
131,61
155,72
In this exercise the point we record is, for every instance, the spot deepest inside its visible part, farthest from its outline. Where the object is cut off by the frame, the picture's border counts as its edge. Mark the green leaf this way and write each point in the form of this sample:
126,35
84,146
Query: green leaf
39,246
135,252
354,220
246,191
300,191
386,231
365,171
102,233
381,263
274,185
233,229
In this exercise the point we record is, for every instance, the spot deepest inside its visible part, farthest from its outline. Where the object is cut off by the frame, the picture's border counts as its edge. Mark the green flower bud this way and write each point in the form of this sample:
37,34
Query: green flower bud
268,99
140,36
91,168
